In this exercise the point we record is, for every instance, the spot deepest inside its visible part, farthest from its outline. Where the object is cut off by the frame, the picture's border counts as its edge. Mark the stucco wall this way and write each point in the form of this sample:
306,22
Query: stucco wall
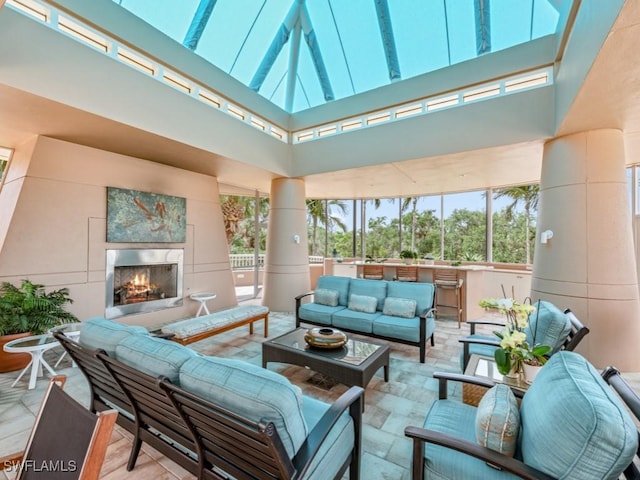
55,198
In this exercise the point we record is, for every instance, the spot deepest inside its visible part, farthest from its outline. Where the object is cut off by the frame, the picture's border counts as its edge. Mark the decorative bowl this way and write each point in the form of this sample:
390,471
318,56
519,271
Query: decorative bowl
325,337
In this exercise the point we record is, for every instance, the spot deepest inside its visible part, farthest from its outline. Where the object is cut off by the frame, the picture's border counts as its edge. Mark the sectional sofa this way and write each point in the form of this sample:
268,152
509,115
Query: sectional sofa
216,417
390,310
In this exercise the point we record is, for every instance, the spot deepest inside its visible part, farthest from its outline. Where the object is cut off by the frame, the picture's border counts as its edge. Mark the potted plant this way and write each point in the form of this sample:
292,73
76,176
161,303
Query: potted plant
429,259
408,256
28,310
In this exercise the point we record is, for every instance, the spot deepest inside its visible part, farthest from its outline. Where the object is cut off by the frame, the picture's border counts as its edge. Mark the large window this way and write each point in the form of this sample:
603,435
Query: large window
5,155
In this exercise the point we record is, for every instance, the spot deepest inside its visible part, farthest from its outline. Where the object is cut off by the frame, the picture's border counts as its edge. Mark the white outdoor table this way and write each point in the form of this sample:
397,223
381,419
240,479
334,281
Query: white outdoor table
202,297
36,345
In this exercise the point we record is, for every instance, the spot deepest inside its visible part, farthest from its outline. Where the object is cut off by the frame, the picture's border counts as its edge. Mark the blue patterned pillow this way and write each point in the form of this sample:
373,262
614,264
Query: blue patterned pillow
326,296
399,307
498,420
362,303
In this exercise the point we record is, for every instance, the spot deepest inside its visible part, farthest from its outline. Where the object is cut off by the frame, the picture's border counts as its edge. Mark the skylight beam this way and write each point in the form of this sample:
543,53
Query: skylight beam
294,55
279,40
483,25
198,23
388,39
316,55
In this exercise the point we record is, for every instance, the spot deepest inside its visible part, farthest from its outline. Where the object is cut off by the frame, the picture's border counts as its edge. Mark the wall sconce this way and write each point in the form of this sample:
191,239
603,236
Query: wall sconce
296,239
546,236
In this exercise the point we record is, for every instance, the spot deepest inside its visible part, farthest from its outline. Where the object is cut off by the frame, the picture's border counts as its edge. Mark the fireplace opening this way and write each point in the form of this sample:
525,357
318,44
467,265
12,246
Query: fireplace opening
135,284
143,280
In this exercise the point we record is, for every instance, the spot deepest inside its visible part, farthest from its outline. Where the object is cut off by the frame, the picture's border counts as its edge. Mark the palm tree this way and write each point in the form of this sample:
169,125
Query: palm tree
318,214
527,194
413,203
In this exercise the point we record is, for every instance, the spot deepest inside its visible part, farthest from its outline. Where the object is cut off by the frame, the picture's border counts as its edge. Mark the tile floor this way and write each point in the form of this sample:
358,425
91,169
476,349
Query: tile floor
390,407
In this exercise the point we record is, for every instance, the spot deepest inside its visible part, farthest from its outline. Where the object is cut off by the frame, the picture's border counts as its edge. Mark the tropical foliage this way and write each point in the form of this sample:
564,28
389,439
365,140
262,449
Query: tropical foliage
29,308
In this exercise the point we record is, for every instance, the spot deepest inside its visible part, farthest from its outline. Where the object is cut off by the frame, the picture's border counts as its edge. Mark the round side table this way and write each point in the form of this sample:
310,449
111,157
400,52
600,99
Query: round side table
202,297
71,330
35,345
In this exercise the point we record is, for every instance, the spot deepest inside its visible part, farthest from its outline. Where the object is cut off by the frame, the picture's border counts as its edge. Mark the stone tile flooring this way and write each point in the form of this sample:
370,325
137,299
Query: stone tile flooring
390,407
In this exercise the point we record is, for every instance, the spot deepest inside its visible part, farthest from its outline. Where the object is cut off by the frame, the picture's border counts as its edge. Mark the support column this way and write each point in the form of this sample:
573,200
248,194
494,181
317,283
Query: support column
286,270
588,265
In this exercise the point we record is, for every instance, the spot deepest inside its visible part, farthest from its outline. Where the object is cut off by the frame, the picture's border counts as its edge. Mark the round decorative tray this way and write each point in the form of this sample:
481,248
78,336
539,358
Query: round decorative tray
324,337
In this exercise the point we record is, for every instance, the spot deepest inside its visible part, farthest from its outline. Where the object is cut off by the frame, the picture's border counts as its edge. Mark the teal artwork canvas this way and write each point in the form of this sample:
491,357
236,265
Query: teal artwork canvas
134,216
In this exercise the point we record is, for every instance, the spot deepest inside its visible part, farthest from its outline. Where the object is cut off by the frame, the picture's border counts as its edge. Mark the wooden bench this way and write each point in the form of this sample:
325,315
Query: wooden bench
199,328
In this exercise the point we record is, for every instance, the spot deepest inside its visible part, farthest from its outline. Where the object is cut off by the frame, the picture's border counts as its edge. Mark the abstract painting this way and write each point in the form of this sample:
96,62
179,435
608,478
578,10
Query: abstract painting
134,216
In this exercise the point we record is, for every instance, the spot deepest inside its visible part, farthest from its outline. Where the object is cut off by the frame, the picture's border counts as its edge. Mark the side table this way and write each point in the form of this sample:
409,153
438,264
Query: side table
202,297
35,345
485,367
71,330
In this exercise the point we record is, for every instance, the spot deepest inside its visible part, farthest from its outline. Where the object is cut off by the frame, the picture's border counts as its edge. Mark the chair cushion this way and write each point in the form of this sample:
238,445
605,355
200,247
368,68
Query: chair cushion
458,419
98,332
399,307
498,420
250,391
422,293
326,296
402,328
154,356
371,288
337,445
362,303
333,282
593,436
356,321
548,325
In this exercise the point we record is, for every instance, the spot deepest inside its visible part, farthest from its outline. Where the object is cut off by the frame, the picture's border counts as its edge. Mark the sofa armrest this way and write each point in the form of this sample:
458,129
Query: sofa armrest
352,399
298,300
301,296
422,435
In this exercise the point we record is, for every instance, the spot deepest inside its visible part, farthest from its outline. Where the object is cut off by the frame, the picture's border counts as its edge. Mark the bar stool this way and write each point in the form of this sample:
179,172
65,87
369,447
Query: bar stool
447,279
406,274
372,272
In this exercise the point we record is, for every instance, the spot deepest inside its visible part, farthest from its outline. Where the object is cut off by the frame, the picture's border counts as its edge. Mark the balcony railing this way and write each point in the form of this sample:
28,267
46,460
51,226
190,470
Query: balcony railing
246,261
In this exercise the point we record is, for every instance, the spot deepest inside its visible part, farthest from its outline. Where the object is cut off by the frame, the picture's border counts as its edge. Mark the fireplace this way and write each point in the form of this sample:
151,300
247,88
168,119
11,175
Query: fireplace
143,280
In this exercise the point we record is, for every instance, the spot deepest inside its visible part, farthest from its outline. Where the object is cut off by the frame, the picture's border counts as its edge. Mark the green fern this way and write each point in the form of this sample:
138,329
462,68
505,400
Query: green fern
29,308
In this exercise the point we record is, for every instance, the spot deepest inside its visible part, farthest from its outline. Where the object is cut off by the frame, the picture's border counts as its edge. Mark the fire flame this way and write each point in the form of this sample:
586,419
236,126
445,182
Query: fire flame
140,280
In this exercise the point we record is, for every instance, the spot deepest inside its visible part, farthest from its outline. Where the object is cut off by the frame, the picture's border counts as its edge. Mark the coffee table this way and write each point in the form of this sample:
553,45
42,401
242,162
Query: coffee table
353,364
485,367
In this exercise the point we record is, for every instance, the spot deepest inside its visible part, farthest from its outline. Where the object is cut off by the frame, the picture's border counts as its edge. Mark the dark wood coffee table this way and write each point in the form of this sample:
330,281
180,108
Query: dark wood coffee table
353,364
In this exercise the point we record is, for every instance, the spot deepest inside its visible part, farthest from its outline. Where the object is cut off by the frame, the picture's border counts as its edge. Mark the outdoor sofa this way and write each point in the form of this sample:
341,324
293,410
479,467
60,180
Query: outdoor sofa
216,417
390,310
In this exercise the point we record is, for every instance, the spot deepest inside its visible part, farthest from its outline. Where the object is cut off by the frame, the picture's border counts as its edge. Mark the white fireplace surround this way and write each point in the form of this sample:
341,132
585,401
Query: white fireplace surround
142,257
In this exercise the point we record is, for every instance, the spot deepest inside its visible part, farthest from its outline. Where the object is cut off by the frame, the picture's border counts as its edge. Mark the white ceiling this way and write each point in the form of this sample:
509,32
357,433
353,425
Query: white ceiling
605,100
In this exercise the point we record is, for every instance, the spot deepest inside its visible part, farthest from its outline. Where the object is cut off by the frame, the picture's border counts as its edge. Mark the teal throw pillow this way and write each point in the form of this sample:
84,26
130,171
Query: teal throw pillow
326,296
399,307
362,303
498,420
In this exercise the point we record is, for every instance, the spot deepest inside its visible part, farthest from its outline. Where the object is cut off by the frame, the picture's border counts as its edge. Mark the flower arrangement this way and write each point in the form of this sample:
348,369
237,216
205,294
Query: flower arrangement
514,347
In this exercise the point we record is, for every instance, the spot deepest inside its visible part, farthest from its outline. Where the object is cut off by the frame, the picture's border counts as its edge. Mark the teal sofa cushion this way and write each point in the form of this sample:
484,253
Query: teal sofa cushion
154,356
399,307
458,419
250,391
362,303
498,420
593,436
356,321
548,325
337,445
326,296
402,328
422,293
98,332
333,282
317,313
370,288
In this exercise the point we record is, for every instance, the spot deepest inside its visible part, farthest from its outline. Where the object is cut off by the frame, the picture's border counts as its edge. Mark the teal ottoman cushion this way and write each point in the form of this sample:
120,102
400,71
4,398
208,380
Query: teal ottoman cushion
250,391
106,334
573,424
335,448
154,356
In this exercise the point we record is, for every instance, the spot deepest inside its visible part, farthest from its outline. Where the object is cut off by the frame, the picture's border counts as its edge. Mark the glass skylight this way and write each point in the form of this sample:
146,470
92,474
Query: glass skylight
345,46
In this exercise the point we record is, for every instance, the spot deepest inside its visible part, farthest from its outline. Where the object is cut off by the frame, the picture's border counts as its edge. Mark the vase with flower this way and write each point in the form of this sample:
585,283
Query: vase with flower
517,343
